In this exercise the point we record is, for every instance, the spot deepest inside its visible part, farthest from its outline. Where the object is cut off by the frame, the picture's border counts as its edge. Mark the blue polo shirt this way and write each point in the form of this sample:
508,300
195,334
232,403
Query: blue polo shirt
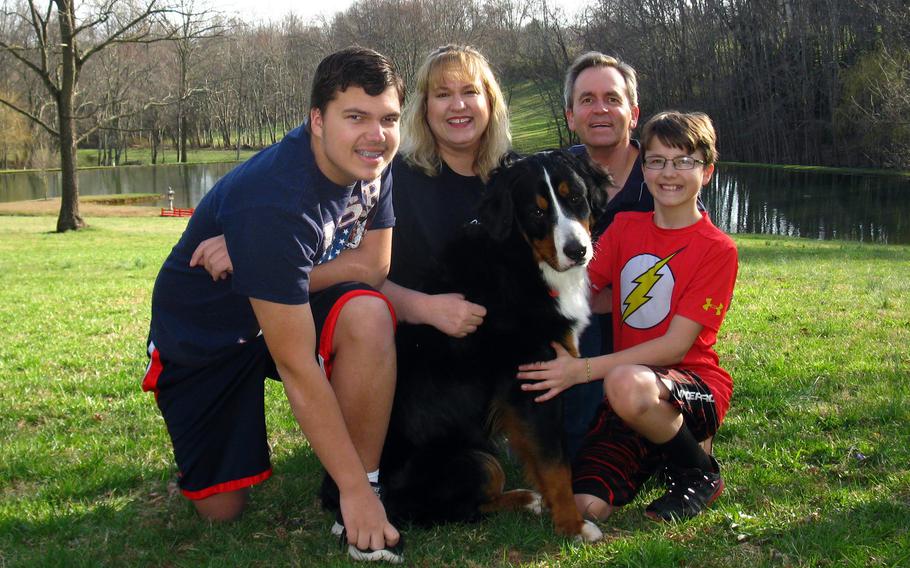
634,195
280,216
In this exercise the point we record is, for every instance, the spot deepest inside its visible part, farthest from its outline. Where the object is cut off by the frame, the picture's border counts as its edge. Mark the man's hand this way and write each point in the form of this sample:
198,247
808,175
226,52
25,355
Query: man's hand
365,520
212,255
453,315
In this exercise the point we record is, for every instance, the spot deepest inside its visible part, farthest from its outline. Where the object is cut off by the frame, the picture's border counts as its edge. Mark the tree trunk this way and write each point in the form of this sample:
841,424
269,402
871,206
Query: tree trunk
183,137
69,219
153,142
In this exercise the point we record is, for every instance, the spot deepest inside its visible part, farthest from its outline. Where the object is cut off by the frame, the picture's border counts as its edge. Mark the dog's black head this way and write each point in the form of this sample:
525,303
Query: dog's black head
551,199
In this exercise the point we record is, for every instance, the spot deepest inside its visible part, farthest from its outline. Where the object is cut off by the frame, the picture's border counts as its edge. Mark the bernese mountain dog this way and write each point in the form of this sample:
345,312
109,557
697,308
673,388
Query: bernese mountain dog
525,261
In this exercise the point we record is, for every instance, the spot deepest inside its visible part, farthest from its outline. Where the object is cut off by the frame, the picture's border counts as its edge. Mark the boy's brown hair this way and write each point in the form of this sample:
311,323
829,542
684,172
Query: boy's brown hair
691,131
354,67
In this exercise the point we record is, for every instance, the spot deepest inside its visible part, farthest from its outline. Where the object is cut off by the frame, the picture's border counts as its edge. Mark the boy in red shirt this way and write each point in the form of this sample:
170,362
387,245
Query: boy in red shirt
670,274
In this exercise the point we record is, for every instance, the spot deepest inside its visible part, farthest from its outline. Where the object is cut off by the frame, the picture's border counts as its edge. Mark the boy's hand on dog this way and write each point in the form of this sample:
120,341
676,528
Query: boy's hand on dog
455,316
212,254
553,376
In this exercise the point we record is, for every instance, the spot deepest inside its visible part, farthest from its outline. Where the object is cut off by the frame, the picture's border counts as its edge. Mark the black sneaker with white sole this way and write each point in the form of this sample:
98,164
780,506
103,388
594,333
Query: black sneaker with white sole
391,554
689,492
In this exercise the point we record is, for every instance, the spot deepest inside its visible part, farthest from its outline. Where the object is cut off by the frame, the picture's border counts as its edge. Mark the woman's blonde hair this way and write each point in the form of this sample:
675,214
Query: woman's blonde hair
418,144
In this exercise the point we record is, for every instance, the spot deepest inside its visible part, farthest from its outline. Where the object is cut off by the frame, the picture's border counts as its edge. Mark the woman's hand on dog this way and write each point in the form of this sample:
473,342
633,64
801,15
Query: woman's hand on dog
455,316
553,376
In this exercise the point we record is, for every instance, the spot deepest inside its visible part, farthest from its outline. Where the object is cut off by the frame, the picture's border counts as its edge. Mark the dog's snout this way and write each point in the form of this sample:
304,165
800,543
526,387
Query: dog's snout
575,251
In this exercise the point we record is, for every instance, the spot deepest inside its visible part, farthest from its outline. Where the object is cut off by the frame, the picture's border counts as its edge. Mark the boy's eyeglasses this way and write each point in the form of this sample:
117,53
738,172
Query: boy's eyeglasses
679,163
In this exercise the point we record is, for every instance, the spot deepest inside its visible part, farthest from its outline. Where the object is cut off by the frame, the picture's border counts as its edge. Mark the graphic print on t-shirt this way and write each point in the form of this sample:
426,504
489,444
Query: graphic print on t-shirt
353,222
646,288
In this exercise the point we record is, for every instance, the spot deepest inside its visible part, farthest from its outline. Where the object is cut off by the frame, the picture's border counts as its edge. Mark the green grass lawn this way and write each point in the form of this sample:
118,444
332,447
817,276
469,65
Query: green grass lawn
815,449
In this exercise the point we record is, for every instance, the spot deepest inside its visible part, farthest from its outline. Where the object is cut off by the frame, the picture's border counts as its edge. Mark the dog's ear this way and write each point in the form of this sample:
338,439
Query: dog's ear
497,210
597,179
508,159
597,190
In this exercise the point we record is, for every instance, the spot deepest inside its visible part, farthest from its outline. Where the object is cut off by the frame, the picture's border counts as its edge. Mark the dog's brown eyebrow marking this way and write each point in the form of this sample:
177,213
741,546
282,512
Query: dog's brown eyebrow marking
563,189
542,202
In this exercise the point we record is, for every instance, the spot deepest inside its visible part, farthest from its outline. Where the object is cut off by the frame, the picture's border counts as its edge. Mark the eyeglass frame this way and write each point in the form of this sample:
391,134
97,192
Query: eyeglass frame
644,162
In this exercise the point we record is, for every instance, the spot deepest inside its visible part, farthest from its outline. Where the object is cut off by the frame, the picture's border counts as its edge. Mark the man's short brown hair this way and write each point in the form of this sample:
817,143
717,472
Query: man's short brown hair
598,59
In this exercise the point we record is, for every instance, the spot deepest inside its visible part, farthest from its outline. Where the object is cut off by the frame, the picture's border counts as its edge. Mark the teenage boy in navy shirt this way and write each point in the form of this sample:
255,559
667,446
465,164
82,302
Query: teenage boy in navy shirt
325,188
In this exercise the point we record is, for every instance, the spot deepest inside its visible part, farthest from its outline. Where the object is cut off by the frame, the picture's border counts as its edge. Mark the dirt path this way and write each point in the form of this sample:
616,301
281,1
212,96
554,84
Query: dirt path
86,209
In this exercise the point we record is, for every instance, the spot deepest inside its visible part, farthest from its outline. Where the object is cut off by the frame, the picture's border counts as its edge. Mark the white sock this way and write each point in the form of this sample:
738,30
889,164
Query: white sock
373,476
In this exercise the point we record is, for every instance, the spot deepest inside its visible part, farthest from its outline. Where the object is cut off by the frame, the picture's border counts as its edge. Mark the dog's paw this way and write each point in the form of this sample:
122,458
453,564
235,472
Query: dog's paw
535,505
589,533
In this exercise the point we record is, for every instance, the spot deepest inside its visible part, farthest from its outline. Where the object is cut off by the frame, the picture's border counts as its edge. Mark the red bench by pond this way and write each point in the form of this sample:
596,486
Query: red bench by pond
165,212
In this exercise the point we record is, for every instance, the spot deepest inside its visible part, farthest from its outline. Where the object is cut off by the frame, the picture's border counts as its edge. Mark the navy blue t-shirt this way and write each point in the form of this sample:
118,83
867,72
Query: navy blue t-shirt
633,196
280,216
430,211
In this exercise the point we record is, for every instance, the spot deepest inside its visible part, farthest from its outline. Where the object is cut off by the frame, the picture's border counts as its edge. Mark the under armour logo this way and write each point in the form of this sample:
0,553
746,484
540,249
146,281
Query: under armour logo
716,307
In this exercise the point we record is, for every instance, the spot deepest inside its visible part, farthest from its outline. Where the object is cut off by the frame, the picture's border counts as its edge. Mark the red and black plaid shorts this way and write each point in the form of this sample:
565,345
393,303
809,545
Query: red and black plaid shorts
615,461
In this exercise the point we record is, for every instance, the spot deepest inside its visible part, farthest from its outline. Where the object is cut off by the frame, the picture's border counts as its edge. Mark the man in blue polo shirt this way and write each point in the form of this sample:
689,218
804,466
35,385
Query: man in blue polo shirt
601,98
601,106
294,309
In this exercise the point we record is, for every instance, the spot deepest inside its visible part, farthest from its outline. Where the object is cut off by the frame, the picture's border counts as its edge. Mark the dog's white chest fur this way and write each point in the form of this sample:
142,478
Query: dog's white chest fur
573,294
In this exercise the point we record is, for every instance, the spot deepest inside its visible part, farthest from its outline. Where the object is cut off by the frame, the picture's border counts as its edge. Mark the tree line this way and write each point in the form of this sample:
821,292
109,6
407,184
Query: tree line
822,82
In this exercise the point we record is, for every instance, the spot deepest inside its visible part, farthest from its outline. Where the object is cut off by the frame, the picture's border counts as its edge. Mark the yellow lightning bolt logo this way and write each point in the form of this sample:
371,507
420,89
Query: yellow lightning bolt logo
638,297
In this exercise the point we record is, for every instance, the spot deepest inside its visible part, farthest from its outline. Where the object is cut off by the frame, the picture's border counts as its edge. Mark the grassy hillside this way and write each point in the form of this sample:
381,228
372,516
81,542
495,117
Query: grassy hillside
533,124
89,158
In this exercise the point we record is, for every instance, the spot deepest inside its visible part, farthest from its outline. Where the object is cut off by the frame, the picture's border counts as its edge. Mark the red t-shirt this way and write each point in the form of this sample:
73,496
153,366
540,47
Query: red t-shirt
659,273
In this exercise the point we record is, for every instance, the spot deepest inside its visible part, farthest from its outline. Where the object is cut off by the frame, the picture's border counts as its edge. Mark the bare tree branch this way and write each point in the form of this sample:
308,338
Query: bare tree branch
16,52
121,34
34,118
103,124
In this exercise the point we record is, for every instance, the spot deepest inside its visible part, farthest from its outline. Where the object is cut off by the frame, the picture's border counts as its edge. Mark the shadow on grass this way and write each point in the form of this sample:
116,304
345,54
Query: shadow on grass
142,519
130,518
284,525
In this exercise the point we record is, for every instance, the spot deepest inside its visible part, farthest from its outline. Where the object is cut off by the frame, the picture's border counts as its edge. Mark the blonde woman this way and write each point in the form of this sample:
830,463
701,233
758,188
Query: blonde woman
455,129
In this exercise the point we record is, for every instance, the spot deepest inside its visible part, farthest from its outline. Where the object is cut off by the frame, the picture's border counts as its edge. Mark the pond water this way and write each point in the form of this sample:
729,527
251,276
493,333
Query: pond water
189,182
741,199
857,207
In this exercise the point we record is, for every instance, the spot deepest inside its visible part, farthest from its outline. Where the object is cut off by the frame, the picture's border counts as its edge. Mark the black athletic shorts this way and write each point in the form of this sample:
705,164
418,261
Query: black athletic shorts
215,415
615,461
